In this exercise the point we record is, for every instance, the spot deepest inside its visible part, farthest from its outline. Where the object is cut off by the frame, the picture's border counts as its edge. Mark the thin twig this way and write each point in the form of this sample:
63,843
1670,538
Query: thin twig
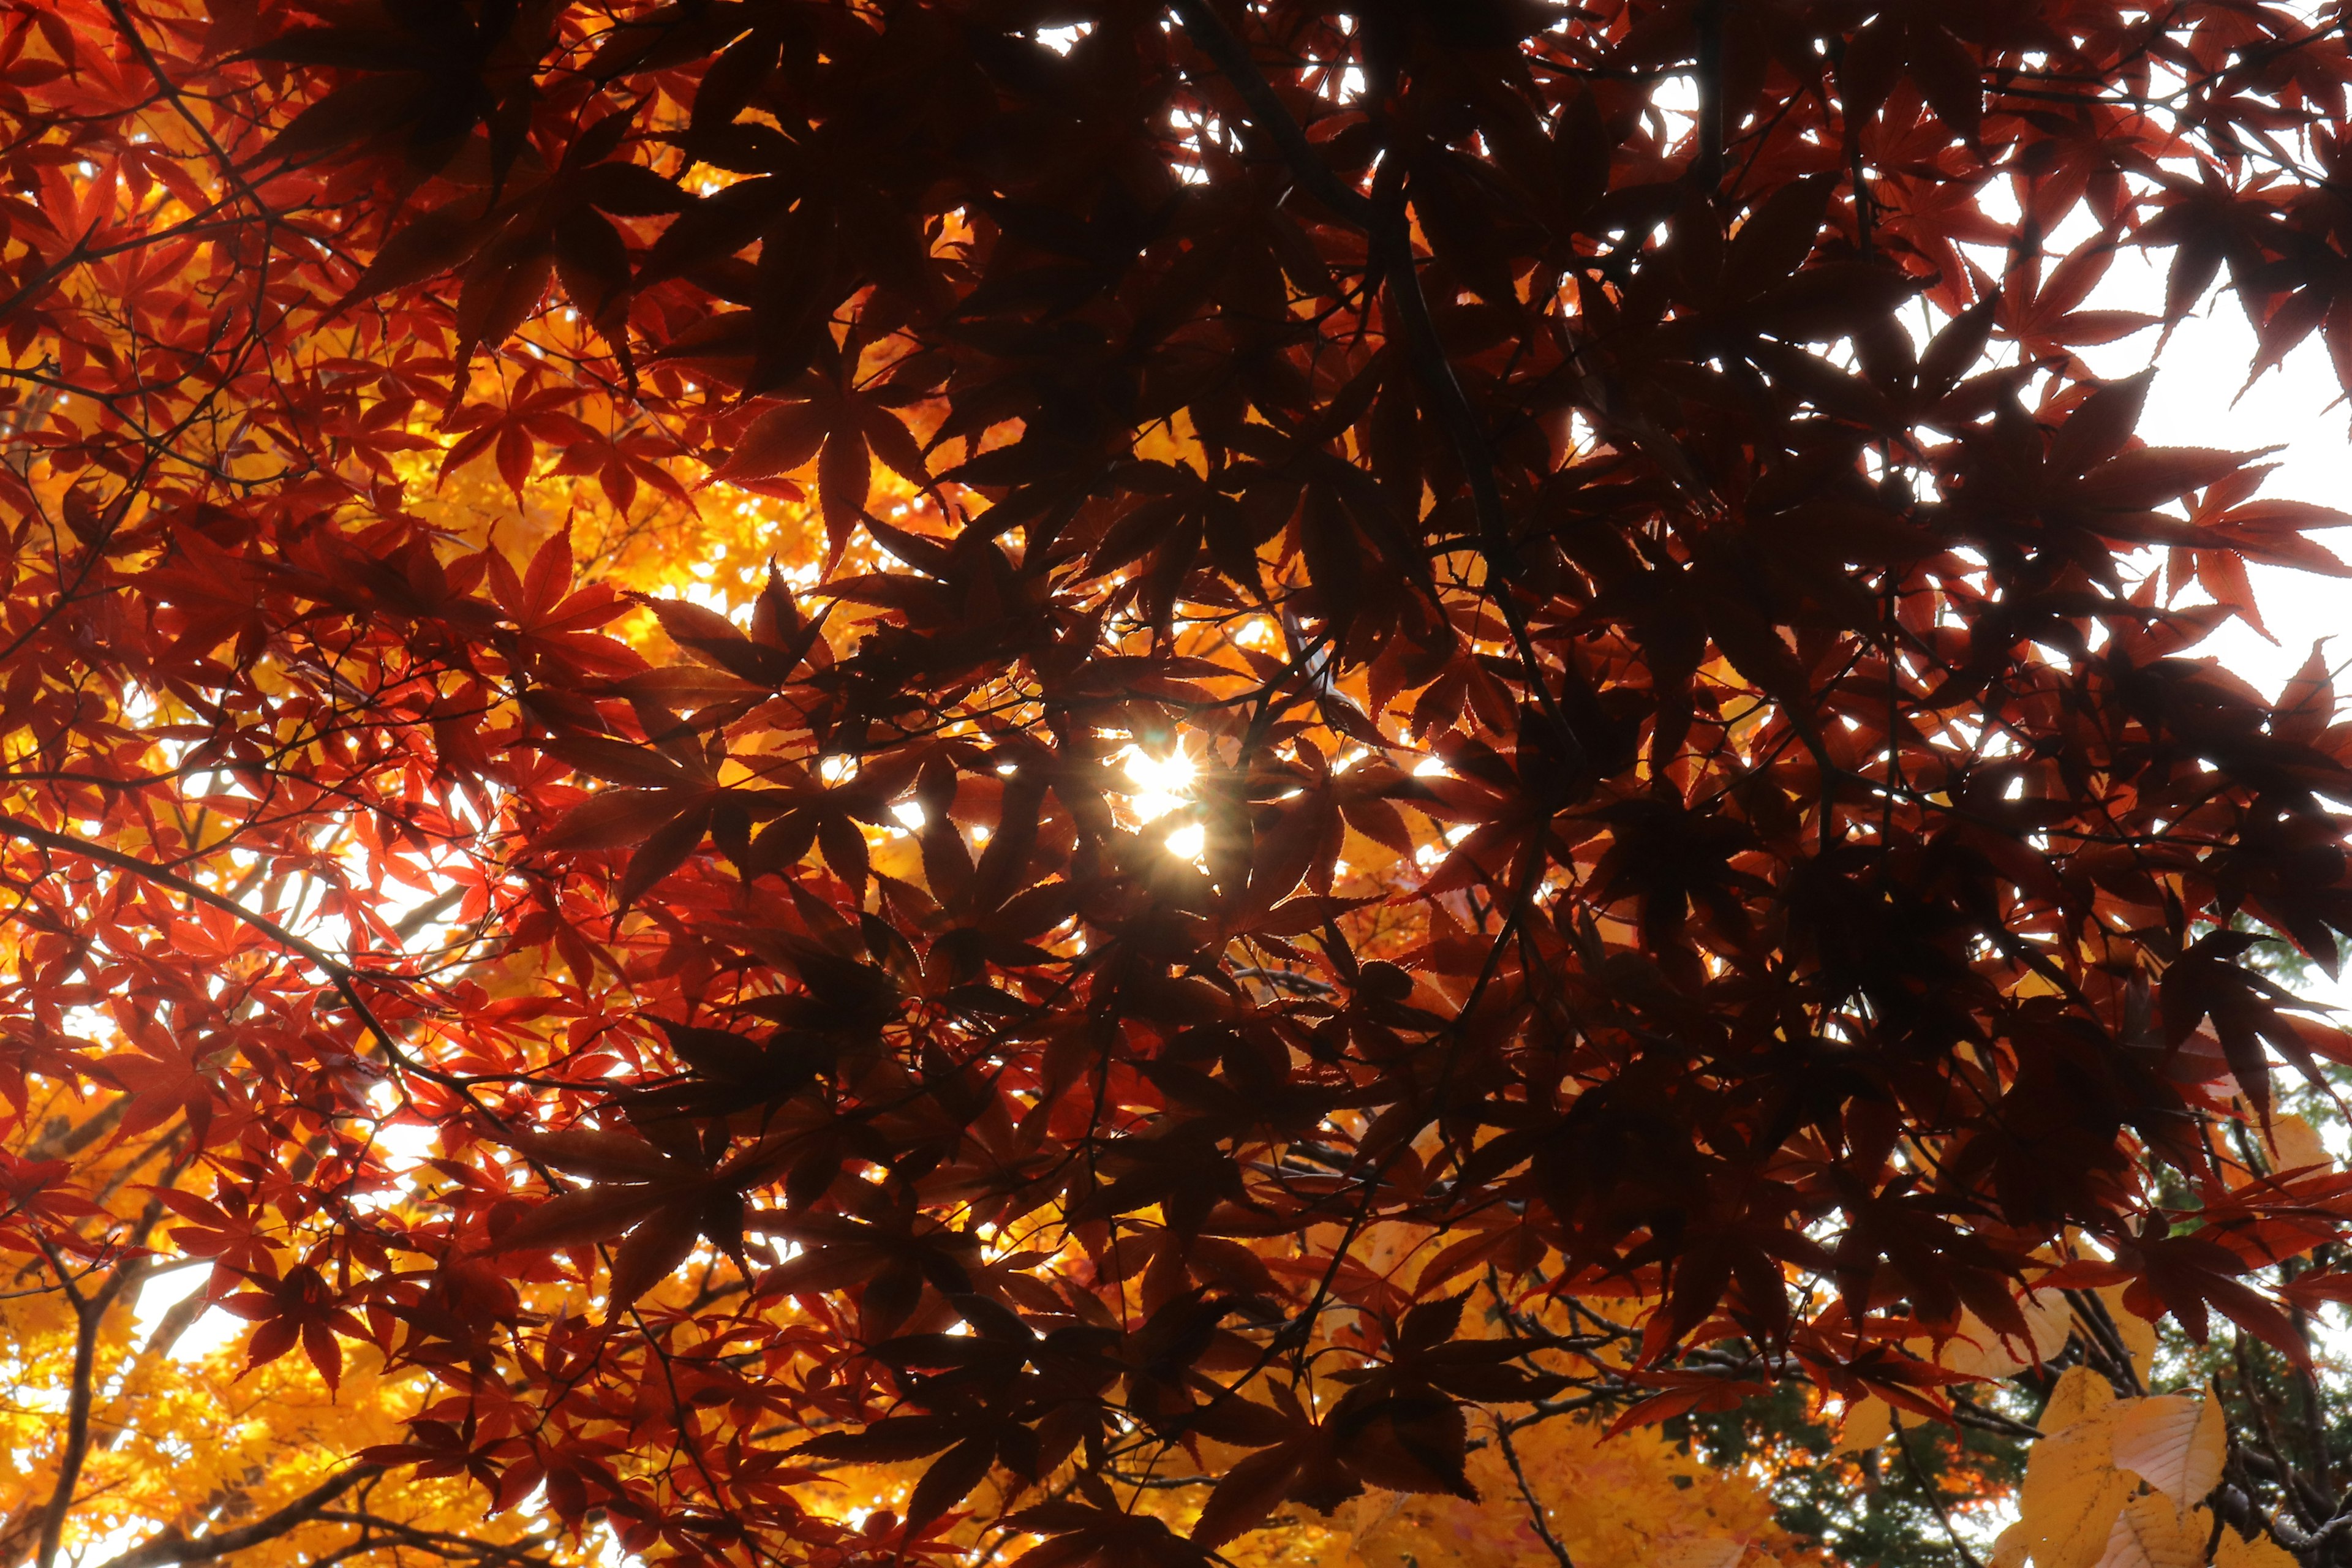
1535,1508
1927,1491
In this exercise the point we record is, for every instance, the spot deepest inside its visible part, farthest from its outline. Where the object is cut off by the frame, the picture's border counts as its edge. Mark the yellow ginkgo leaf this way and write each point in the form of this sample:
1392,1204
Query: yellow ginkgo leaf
2149,1532
2174,1443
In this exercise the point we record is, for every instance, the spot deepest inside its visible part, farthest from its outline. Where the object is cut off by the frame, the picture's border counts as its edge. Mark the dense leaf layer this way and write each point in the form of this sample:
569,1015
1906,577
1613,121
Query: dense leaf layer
1680,773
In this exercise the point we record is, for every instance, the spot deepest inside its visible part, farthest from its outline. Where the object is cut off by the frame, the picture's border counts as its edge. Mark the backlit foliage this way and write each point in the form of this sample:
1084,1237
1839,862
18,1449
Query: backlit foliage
854,780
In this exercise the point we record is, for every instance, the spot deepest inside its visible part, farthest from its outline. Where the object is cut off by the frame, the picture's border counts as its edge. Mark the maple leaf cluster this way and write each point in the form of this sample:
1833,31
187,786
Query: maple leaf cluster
1687,781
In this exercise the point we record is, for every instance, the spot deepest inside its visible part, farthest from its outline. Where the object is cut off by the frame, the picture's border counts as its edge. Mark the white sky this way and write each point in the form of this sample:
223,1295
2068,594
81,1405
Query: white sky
2196,402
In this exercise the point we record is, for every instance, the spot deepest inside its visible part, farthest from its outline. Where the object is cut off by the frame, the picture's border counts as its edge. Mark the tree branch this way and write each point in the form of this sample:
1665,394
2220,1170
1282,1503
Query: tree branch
1536,1515
1934,1500
166,1548
440,1543
89,1314
1215,39
344,978
1706,166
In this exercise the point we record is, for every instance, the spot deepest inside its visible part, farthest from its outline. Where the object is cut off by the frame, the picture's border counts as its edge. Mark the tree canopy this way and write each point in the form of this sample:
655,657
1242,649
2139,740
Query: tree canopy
1161,764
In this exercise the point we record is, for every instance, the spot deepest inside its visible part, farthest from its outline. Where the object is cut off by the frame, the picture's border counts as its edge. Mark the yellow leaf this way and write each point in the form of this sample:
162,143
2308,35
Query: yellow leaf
2080,1392
2236,1552
1371,1512
2049,1322
1979,1351
2072,1491
1367,855
1172,441
2034,985
2137,1332
2010,1547
2151,1533
1636,1501
1868,1422
2174,1443
2294,1145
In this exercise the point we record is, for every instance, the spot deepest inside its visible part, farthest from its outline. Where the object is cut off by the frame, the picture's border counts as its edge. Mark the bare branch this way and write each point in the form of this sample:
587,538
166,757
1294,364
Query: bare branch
438,1542
171,1548
90,1313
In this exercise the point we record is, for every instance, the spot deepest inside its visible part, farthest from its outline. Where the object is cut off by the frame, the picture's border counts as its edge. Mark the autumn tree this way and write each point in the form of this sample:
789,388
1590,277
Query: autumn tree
1157,766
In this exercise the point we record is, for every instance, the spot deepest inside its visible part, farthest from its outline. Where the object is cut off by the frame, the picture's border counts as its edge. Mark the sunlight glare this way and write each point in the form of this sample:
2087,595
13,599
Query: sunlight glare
1161,783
